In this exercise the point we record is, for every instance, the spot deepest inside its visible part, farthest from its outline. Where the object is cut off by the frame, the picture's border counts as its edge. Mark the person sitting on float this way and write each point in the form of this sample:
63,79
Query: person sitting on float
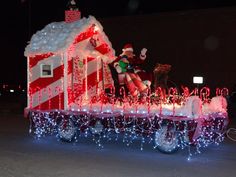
137,79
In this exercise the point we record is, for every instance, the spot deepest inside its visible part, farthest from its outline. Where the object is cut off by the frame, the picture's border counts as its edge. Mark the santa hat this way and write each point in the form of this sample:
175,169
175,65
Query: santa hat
128,47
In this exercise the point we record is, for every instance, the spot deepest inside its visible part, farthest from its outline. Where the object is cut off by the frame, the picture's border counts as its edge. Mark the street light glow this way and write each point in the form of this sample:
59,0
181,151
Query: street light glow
197,79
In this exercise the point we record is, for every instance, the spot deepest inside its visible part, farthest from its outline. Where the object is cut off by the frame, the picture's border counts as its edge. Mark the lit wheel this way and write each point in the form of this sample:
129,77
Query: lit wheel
97,128
66,130
166,140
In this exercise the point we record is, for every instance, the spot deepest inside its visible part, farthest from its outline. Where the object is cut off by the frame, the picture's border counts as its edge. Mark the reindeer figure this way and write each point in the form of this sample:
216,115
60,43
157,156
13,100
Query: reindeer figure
161,75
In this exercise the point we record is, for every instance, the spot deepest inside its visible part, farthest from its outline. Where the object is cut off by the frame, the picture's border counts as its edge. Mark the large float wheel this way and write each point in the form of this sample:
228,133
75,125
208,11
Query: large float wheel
66,130
98,128
166,139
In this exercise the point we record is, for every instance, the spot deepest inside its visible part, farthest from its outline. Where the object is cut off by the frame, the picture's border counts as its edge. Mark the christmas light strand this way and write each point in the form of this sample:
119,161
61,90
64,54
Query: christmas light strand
168,122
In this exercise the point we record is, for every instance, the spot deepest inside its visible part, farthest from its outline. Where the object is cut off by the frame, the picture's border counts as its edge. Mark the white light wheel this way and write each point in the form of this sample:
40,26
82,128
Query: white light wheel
66,130
97,129
166,140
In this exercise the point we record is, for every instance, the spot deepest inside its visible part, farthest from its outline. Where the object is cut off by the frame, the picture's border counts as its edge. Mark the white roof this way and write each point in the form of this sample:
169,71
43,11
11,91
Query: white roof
56,37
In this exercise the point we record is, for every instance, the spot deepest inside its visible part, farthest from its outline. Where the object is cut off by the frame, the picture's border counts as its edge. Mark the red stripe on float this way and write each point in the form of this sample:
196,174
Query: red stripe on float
56,102
41,83
103,48
34,60
89,59
85,35
70,66
92,79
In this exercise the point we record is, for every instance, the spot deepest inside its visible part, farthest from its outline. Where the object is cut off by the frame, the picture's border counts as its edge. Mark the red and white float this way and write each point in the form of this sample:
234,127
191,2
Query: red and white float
68,74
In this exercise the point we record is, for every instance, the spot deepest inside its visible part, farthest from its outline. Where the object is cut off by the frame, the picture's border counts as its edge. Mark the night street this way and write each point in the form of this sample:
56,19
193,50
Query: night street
23,156
128,88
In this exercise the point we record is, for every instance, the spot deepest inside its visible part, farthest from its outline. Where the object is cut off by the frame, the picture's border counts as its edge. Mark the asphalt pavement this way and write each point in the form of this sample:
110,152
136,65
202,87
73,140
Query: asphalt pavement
21,155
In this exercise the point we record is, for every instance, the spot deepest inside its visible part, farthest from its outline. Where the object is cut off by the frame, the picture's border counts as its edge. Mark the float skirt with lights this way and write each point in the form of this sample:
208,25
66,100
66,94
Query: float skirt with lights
167,123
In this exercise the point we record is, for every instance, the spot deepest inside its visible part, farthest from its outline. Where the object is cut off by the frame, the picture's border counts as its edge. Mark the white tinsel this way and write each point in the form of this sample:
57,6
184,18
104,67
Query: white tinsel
56,37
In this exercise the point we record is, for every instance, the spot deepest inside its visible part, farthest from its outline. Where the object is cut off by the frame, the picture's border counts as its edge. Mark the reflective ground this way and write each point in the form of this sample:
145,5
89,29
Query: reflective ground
23,156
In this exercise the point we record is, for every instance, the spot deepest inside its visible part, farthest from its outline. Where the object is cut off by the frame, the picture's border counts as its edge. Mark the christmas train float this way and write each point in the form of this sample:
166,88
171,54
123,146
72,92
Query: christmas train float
71,93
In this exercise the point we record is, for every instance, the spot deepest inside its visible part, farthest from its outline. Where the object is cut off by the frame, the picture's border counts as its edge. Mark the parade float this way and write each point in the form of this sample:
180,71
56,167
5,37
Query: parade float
72,92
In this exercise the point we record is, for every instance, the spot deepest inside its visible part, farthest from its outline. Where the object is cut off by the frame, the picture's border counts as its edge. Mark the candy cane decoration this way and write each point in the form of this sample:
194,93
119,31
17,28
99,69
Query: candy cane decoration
159,92
171,93
112,92
185,92
92,99
204,94
122,92
195,92
223,91
218,92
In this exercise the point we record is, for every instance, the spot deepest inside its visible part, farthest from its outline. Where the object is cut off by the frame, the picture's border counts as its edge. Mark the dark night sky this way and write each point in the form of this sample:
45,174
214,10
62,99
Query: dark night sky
22,18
